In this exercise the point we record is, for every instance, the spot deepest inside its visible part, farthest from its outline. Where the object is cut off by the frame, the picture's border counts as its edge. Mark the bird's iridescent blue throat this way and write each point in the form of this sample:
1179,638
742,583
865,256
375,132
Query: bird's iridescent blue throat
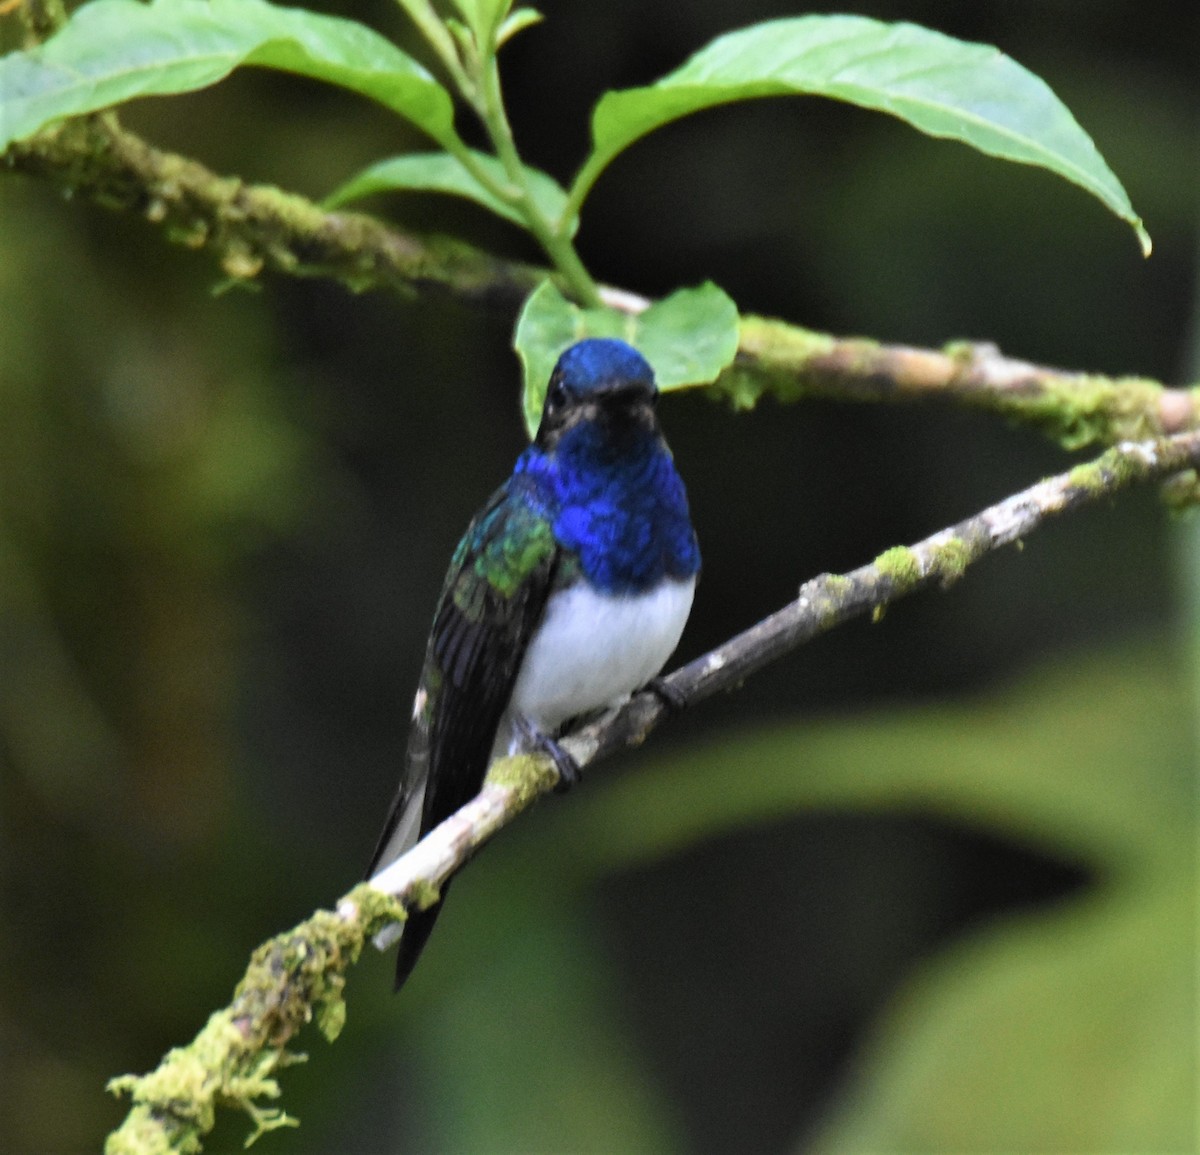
626,515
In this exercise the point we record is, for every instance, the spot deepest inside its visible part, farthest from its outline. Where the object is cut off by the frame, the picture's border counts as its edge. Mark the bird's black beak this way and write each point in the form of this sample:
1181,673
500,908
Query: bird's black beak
625,394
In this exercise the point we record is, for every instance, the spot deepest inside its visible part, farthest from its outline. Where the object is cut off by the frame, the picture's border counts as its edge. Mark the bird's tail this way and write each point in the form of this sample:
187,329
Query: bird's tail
417,929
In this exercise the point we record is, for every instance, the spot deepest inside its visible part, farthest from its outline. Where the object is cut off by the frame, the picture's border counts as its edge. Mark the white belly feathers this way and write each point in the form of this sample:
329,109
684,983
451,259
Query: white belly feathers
593,650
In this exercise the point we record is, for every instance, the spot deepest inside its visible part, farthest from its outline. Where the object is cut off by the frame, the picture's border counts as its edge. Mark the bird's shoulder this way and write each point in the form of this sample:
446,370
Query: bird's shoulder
506,545
499,579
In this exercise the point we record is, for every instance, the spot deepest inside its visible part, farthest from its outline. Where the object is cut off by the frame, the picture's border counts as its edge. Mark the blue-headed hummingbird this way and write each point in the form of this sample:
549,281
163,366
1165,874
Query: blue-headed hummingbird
568,592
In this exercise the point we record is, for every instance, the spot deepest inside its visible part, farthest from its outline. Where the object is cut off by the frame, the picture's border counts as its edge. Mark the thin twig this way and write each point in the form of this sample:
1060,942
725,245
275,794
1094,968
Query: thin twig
299,975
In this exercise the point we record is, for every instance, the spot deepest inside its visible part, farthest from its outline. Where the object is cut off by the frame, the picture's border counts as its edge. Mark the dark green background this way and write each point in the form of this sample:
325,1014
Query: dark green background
915,888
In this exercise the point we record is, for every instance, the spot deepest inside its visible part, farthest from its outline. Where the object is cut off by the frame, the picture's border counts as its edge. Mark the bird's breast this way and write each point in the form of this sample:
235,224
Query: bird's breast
593,649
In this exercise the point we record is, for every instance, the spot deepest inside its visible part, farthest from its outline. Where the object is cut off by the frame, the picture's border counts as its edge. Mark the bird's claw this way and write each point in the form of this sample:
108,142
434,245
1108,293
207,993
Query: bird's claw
569,773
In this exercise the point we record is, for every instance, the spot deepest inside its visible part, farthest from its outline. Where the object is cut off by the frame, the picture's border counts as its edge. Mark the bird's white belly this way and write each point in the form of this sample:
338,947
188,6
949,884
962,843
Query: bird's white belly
593,650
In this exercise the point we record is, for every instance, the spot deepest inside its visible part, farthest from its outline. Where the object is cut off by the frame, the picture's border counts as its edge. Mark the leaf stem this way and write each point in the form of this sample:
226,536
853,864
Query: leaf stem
472,67
551,235
580,187
430,25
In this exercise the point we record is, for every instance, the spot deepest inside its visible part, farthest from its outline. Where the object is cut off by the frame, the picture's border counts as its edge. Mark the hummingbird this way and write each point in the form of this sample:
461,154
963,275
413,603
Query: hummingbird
568,592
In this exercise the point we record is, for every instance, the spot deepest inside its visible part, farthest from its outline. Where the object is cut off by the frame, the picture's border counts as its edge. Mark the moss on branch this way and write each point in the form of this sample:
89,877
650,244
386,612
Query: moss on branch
1074,409
253,227
292,979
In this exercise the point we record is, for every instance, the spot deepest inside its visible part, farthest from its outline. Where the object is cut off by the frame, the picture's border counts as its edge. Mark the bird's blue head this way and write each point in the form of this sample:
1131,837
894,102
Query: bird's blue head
600,365
600,380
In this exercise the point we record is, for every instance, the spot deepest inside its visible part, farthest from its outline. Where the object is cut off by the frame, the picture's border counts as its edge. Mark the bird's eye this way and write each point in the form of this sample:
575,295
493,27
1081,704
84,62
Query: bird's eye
556,394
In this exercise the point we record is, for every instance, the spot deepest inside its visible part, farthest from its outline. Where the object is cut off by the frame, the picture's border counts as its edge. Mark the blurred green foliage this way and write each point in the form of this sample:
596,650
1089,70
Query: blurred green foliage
929,885
1068,1029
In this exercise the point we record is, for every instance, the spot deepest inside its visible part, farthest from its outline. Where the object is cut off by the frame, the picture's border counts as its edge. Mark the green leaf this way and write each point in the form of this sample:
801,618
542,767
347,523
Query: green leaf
1071,1032
518,21
1089,758
114,50
441,172
688,337
949,88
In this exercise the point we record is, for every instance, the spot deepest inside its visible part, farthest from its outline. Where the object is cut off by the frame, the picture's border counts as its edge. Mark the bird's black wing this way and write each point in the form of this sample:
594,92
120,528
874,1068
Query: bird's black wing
491,603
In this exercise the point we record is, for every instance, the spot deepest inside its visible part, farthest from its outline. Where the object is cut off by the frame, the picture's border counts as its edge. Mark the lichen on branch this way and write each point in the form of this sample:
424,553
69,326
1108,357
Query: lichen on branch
251,228
1075,409
292,979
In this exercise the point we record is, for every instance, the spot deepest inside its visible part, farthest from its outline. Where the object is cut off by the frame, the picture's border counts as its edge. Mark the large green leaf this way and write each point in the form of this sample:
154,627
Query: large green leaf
688,337
114,50
441,172
1089,758
1073,1031
949,88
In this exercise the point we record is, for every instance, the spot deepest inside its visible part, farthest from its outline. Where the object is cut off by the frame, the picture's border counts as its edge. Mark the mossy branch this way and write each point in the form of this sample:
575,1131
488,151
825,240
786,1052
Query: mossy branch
254,228
299,975
233,1061
251,228
1075,409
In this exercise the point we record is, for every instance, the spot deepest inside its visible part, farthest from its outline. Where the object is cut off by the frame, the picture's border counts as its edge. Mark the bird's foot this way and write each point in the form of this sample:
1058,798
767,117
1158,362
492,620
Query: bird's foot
569,773
670,697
